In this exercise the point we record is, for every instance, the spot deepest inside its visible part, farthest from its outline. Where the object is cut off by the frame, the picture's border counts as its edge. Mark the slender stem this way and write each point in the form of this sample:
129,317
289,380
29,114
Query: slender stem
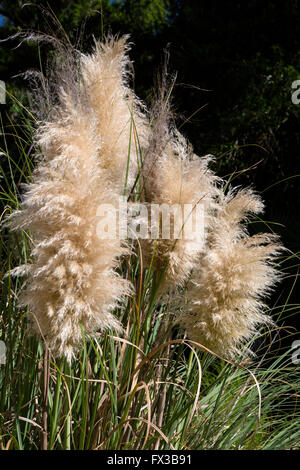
46,373
67,408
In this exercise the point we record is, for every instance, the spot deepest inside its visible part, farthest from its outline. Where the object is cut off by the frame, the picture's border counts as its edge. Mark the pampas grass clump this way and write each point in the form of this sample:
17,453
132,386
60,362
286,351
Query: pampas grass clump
90,155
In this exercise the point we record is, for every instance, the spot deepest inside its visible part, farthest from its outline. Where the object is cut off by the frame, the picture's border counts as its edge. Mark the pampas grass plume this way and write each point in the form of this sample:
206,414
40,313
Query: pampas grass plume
224,303
174,175
72,282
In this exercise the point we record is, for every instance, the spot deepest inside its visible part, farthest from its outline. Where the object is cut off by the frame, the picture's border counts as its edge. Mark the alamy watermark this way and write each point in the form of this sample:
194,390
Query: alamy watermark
2,352
151,221
2,92
296,352
296,93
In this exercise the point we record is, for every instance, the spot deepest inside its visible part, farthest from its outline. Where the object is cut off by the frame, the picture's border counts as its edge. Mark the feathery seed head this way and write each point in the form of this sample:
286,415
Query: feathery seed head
224,304
174,175
72,279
